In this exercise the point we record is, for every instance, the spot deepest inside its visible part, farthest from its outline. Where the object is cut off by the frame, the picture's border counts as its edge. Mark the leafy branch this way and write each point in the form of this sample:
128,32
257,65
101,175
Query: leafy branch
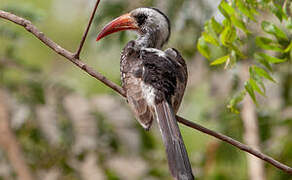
72,57
229,37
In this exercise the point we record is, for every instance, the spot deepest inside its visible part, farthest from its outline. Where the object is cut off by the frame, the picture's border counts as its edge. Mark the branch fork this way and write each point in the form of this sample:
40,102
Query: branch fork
77,53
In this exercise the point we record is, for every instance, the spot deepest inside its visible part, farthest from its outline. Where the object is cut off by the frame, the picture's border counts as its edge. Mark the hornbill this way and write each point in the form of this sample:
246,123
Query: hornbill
154,80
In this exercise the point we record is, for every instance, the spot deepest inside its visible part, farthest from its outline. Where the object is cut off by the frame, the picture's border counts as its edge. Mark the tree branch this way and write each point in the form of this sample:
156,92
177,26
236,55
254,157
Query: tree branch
236,143
77,54
60,50
70,56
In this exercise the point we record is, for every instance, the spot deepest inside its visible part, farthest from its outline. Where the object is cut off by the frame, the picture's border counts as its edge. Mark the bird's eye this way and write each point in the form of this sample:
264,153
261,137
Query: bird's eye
140,19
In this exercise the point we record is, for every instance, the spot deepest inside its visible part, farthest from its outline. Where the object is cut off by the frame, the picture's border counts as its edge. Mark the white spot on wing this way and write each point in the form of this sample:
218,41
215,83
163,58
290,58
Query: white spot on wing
148,93
155,51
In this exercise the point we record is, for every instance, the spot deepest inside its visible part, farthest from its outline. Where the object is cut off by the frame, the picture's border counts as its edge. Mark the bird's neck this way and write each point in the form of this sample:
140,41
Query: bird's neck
150,39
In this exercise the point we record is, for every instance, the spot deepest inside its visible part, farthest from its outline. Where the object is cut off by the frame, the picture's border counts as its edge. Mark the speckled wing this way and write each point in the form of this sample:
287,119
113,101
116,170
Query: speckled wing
136,65
182,78
131,72
166,73
154,82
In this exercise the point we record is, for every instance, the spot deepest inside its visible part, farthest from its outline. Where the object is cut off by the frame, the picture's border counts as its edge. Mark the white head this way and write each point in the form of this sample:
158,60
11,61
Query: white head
152,26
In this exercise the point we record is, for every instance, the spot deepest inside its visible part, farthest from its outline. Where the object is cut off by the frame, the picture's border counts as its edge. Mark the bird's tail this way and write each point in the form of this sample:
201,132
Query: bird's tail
178,161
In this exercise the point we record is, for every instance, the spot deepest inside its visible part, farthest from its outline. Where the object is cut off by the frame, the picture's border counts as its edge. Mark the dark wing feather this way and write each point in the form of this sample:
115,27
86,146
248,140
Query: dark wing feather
182,78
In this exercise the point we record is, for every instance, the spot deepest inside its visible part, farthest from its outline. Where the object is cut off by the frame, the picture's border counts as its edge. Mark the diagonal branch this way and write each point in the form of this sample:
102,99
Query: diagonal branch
77,54
236,143
60,50
70,56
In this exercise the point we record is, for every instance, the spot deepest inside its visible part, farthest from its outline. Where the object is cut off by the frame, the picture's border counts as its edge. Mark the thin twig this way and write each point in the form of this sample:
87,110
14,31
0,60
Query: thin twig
236,144
77,53
60,50
68,55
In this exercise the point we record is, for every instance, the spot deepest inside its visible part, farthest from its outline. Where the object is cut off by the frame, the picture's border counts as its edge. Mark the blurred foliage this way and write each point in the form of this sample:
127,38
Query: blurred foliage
230,35
72,127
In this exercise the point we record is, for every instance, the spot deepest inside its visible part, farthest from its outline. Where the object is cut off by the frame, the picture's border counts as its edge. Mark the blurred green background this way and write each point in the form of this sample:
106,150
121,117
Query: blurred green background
70,126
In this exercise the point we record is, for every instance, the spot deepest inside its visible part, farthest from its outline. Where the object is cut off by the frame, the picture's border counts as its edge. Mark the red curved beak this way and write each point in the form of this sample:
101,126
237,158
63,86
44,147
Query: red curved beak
124,22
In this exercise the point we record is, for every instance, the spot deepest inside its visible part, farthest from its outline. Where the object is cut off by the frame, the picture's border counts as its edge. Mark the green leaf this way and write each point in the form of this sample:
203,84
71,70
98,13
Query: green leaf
254,85
244,9
223,12
227,8
267,44
235,100
239,23
203,47
226,22
231,60
271,59
210,39
207,27
274,30
228,35
257,78
210,34
220,60
261,72
263,40
263,61
230,13
236,49
278,11
217,27
250,91
289,47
